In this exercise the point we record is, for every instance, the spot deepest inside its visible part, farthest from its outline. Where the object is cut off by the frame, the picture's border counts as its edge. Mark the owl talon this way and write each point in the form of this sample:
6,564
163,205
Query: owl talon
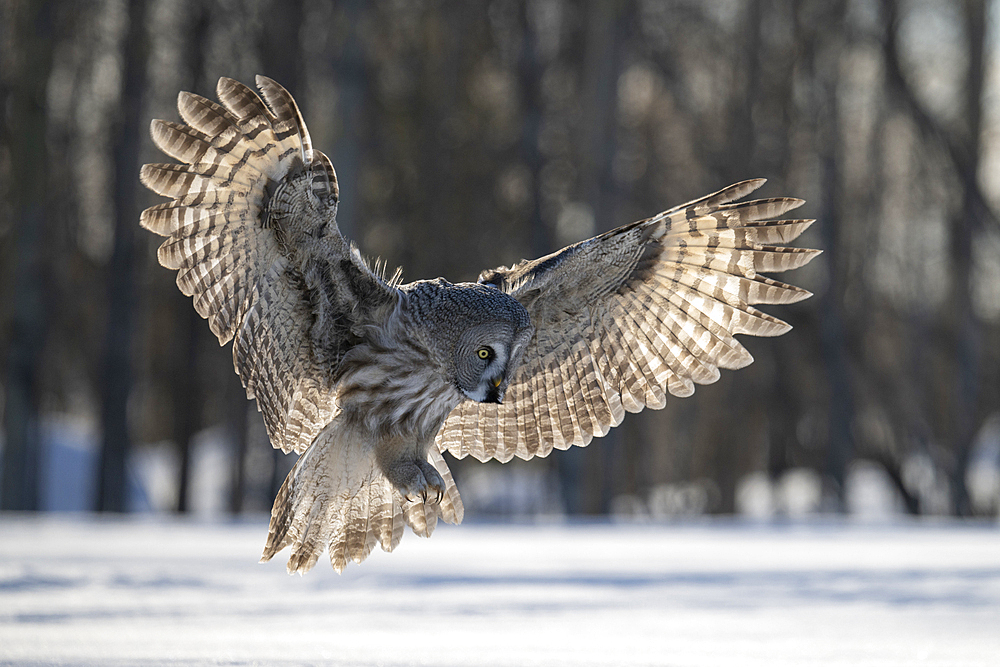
417,481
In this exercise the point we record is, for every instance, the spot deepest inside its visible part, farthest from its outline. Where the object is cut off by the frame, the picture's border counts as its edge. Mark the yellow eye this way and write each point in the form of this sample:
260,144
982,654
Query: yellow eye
484,353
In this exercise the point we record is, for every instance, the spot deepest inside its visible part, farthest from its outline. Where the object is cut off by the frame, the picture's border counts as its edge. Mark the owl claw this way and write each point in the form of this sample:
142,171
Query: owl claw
422,496
417,481
438,495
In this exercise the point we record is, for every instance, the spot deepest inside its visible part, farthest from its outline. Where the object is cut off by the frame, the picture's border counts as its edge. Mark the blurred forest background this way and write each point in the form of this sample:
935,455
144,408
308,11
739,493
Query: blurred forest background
469,134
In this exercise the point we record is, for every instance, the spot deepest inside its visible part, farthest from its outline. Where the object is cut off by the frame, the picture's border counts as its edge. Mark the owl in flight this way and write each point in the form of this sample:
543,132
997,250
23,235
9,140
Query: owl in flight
370,380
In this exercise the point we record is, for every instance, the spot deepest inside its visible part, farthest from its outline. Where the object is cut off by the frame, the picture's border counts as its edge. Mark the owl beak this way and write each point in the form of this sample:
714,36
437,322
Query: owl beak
494,395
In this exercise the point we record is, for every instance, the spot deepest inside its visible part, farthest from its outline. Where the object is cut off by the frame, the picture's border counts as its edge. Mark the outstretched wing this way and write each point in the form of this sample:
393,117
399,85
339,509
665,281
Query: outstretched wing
623,318
251,231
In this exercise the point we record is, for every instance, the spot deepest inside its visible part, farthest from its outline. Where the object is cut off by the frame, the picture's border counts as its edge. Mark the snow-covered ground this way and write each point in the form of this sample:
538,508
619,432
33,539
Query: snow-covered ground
82,591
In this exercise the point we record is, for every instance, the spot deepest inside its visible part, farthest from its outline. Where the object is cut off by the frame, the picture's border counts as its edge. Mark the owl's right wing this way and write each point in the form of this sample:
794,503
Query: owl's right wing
251,231
628,316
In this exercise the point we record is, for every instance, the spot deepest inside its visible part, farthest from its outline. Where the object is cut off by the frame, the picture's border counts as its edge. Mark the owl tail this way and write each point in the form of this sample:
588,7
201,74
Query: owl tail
337,498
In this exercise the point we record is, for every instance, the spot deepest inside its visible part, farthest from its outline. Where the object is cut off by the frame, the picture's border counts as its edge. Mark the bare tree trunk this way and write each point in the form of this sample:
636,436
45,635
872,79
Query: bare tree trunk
964,151
187,399
112,482
742,131
833,329
351,79
530,70
238,413
840,449
24,130
965,327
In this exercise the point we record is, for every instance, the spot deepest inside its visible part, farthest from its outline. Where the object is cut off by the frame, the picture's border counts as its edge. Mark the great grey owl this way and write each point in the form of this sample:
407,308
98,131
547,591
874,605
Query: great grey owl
370,380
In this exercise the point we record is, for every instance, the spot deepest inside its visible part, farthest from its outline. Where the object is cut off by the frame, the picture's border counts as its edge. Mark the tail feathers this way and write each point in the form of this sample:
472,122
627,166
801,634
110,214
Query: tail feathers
337,499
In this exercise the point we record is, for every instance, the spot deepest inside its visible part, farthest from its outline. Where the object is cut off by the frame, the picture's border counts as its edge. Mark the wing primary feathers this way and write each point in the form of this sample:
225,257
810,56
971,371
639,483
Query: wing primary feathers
712,202
666,294
287,112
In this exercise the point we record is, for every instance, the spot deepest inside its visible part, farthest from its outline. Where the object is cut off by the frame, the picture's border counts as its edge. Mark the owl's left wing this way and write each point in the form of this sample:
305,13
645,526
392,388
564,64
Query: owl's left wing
251,231
627,316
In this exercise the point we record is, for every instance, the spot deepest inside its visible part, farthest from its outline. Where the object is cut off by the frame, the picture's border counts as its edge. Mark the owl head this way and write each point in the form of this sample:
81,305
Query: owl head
481,331
486,356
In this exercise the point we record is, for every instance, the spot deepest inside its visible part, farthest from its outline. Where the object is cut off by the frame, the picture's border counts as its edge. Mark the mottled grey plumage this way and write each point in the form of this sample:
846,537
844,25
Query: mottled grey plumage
370,380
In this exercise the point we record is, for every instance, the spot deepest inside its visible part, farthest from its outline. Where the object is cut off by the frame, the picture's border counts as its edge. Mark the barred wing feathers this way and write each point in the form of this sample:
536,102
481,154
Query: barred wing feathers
226,255
627,317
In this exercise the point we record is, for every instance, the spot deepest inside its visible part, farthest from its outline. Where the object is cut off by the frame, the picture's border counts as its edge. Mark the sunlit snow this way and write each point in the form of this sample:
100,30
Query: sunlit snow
80,591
